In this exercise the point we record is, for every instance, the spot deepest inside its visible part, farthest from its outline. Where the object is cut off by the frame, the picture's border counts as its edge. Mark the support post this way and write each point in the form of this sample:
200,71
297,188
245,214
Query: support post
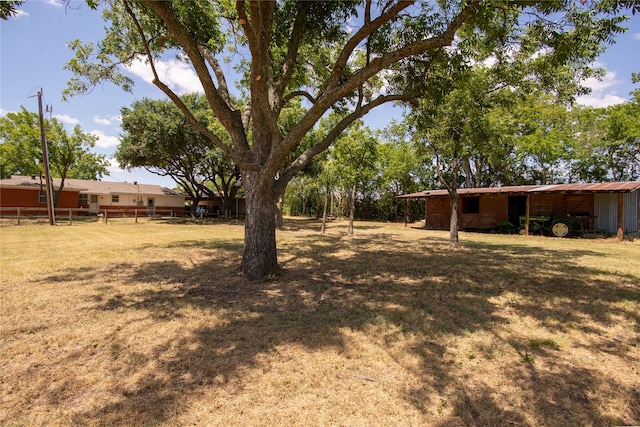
527,214
620,235
70,220
406,212
18,216
426,213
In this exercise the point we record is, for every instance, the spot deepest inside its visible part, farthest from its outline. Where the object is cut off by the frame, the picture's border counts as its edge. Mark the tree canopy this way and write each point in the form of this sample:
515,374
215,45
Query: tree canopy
158,138
69,153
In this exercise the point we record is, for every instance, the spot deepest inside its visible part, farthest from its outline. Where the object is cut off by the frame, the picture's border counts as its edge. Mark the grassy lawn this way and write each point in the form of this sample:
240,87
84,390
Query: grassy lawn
149,324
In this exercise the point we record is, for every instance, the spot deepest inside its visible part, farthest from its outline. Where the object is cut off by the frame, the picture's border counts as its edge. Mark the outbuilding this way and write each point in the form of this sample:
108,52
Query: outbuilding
612,207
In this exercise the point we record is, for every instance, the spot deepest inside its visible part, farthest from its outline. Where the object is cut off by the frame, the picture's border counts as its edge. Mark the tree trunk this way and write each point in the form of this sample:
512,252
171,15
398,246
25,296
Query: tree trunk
453,226
352,209
331,205
453,193
324,212
468,176
280,210
259,257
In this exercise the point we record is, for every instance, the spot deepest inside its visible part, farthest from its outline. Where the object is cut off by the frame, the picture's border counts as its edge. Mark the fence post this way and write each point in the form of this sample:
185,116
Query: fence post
70,220
136,214
105,217
18,216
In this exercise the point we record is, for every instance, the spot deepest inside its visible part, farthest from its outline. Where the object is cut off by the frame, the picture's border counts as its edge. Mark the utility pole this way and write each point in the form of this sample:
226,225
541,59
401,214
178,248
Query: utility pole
45,162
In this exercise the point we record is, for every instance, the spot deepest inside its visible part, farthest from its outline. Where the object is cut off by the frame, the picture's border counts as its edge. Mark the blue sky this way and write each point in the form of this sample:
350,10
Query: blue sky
33,52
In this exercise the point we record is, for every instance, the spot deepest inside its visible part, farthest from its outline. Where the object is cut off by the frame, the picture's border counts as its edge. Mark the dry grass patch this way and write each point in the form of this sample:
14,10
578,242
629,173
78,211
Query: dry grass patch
150,324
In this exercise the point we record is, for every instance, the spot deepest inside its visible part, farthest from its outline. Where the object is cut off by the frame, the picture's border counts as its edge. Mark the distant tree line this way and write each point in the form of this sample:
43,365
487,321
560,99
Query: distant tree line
70,154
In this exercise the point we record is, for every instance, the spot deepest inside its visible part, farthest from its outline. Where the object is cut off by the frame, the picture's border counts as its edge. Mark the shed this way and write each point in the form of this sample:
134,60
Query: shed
612,207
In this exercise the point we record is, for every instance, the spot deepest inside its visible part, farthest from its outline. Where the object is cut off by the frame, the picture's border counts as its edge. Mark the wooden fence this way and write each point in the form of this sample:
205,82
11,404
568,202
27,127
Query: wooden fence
68,215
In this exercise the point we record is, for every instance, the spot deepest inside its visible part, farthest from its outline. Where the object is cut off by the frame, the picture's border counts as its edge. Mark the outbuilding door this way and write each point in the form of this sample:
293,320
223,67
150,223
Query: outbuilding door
438,213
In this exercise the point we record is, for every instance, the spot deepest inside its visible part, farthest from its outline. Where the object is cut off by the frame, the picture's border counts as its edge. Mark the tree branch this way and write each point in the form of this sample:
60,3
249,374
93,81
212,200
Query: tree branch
331,95
292,52
295,93
220,77
172,95
365,31
305,158
261,79
229,117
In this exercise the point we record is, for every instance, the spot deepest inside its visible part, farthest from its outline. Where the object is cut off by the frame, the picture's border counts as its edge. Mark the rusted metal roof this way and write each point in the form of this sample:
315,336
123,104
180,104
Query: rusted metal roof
602,187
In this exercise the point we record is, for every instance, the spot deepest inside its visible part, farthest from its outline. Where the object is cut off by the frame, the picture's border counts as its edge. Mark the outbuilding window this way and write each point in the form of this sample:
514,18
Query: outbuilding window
115,198
83,199
471,205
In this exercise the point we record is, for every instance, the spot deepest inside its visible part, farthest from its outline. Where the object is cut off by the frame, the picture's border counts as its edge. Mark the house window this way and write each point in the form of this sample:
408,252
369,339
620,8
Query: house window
83,199
42,197
471,205
115,198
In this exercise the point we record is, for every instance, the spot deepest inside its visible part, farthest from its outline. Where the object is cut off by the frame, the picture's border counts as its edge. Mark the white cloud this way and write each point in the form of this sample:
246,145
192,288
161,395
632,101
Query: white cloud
603,92
178,75
113,167
101,120
66,119
490,61
636,36
601,101
104,140
57,3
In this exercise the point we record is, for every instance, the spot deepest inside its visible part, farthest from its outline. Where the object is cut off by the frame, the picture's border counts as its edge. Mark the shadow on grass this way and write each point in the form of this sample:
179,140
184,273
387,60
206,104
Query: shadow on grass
421,287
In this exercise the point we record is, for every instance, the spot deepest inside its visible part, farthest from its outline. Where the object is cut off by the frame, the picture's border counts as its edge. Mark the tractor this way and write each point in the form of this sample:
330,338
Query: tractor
558,226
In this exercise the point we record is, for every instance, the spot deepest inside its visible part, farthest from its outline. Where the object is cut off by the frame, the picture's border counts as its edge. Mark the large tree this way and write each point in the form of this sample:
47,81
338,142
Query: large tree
158,138
350,55
70,154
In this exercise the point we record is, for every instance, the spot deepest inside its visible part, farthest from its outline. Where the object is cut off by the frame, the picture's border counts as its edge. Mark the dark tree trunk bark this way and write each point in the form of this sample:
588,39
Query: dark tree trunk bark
279,209
324,212
259,258
352,209
453,193
453,226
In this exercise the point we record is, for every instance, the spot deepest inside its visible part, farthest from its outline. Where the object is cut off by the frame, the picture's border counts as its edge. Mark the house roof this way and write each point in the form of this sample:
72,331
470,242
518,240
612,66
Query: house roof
91,187
603,187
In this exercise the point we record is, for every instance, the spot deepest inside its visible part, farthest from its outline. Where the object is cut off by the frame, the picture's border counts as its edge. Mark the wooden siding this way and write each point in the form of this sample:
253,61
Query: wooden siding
438,213
495,208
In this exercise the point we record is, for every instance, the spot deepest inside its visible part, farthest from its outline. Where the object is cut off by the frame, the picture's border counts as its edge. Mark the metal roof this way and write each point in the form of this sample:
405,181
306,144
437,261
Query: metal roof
603,187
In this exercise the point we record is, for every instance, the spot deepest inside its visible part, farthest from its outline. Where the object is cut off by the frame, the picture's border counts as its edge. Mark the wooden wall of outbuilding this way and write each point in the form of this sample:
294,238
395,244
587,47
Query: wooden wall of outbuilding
494,208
